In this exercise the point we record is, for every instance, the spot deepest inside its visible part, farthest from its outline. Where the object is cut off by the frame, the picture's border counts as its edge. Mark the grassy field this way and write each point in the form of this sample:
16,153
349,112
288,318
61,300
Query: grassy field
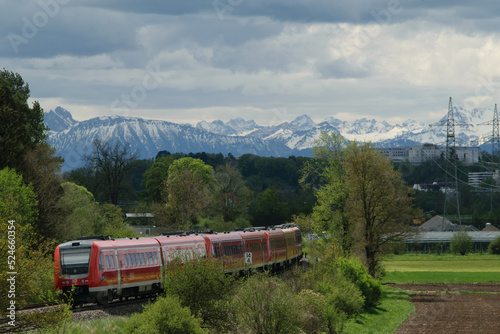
432,268
394,308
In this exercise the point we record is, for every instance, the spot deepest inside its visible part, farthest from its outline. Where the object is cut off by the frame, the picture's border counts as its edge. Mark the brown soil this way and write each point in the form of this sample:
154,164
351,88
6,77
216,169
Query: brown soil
442,312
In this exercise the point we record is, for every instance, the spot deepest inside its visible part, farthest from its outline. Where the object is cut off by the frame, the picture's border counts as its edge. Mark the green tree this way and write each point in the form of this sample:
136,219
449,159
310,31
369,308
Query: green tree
111,163
267,209
154,177
461,243
191,189
328,175
84,216
21,127
234,195
378,202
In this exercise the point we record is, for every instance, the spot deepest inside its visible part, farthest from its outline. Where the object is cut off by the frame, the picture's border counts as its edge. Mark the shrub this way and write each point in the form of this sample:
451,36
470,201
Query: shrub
353,270
461,243
204,288
265,305
313,307
167,316
494,246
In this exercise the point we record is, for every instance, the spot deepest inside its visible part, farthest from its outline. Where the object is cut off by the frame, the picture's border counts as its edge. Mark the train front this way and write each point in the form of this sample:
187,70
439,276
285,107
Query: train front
71,274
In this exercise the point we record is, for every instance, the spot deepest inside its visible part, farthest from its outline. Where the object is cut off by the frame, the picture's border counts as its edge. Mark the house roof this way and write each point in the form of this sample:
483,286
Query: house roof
438,224
490,228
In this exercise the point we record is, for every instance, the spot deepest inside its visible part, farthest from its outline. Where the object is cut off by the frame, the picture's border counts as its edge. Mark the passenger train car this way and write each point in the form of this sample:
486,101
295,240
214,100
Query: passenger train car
101,270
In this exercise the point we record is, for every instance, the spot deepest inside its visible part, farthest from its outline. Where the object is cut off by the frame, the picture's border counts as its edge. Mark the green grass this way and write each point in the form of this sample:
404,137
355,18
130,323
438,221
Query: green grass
432,268
394,308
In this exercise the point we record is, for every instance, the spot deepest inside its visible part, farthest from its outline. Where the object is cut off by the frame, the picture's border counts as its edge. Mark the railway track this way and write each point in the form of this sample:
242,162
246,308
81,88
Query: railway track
87,311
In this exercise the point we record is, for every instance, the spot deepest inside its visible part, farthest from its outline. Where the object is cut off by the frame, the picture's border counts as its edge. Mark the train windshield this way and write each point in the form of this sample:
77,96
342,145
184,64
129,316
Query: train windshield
75,261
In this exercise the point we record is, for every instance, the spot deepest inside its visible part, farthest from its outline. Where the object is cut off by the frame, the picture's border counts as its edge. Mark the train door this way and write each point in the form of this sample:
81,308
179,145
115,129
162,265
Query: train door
119,271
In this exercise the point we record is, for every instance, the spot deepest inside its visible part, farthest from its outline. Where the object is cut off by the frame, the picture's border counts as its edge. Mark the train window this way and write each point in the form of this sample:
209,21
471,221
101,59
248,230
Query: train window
112,260
131,264
125,260
216,250
142,259
150,256
134,259
239,249
108,266
155,258
101,264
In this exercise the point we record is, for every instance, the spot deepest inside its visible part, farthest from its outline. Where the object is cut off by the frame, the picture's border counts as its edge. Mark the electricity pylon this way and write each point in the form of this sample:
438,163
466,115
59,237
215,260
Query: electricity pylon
495,141
450,158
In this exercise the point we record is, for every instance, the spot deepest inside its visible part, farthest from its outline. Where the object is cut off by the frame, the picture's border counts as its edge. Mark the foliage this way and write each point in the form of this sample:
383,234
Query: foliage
112,162
267,209
40,167
17,200
494,246
204,288
166,315
21,127
461,243
218,224
352,269
234,196
154,177
84,216
55,319
191,189
265,305
378,202
326,174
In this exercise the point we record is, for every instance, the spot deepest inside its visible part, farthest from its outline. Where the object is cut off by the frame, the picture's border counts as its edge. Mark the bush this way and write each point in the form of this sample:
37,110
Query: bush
461,243
166,315
494,246
353,270
265,305
313,307
204,288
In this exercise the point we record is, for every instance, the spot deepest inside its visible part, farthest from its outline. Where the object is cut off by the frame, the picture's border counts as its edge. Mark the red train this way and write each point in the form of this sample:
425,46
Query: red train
101,270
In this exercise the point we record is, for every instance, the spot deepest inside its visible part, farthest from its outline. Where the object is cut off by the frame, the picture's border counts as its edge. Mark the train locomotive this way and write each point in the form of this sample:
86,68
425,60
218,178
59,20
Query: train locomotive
102,269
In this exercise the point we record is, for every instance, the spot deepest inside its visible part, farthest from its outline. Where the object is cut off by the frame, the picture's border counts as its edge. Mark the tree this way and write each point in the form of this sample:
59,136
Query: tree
40,167
21,127
111,162
191,189
378,202
267,209
234,196
327,173
154,177
461,243
84,216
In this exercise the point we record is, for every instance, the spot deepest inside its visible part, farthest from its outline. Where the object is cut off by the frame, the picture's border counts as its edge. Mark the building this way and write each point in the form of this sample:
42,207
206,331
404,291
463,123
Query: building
419,154
475,178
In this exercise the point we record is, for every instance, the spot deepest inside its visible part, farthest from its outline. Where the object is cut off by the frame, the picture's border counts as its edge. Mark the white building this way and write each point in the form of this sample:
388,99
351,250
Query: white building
419,154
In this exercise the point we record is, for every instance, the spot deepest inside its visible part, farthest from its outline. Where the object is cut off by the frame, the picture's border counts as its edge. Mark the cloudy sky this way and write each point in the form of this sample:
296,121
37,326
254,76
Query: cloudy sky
271,61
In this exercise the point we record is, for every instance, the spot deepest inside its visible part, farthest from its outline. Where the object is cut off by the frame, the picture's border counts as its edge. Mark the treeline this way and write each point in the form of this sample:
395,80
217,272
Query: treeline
248,190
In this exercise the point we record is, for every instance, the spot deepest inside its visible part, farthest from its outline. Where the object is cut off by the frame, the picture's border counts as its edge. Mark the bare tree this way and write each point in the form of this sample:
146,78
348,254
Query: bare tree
111,164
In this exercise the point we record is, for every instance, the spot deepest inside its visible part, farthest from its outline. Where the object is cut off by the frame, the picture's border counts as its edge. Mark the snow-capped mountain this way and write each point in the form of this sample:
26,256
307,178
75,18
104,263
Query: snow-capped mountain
73,139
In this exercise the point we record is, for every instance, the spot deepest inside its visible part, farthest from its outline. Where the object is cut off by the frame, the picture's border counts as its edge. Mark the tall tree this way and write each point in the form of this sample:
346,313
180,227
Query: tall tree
378,201
21,127
111,163
191,189
154,177
325,174
234,196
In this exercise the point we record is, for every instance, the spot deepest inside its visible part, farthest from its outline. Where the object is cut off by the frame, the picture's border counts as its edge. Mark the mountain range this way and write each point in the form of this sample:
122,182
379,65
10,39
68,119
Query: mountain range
73,139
